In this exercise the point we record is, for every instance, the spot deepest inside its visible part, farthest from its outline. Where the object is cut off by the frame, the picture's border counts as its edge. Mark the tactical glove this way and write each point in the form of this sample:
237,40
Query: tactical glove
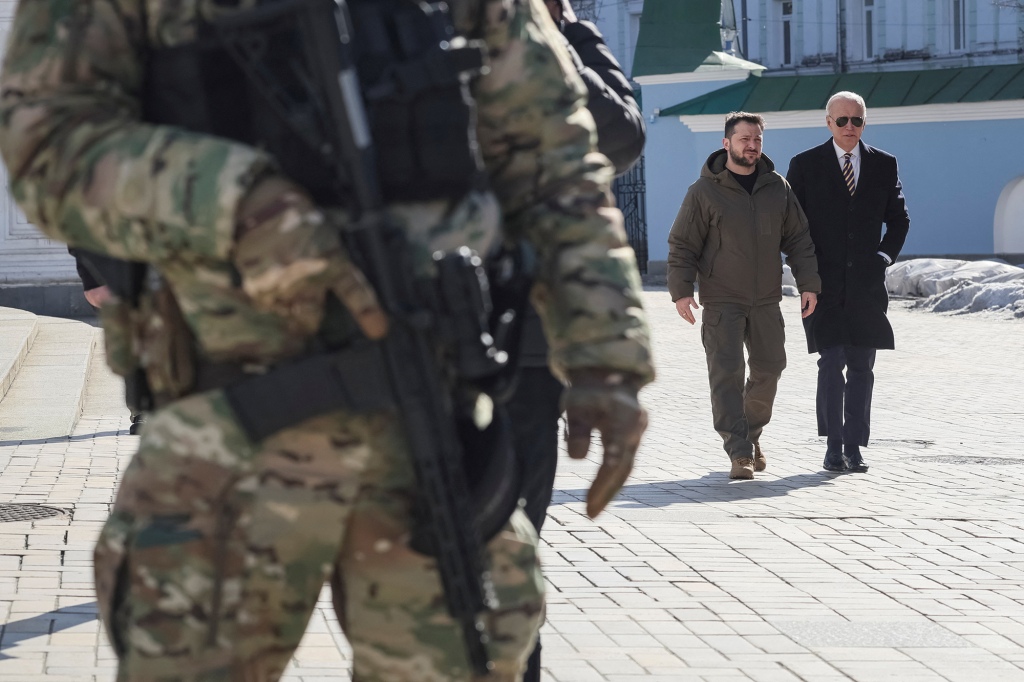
289,256
605,400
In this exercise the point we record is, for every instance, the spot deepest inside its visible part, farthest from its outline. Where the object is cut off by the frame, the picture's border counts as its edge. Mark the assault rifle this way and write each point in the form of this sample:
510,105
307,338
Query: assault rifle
453,312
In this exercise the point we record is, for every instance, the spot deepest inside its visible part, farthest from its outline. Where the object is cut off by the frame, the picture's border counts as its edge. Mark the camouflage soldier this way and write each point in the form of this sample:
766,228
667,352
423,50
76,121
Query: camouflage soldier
218,545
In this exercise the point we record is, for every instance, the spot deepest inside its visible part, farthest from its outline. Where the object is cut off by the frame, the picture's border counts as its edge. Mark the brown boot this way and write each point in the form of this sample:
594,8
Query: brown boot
742,468
760,463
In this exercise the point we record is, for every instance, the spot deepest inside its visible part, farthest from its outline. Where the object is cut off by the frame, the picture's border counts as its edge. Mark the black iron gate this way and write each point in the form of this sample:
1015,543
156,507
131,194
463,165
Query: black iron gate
631,197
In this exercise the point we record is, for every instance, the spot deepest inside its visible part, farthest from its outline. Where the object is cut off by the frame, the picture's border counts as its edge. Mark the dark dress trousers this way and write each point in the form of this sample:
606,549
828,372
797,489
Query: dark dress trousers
535,405
849,322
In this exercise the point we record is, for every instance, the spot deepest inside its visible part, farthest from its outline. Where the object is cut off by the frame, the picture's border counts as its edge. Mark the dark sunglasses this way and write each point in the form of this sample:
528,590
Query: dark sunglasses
843,120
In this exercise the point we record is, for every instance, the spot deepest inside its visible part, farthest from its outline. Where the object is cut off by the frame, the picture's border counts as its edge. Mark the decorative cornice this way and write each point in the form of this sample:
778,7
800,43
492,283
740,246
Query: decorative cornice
694,77
923,113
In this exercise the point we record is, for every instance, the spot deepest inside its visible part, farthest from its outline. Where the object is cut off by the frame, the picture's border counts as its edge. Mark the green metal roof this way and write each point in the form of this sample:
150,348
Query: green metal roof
886,89
676,36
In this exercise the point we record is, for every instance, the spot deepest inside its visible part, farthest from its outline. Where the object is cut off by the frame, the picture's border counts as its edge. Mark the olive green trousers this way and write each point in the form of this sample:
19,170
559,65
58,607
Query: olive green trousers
741,403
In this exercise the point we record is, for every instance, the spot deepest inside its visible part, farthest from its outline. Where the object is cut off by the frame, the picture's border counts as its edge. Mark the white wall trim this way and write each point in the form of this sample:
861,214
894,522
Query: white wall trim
712,74
924,113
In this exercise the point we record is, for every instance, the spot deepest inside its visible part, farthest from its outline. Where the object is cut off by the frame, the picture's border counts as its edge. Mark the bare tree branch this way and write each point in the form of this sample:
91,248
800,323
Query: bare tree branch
585,9
1014,5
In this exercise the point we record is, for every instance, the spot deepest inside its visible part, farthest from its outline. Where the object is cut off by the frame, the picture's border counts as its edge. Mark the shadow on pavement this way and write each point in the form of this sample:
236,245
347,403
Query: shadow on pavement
713,487
15,632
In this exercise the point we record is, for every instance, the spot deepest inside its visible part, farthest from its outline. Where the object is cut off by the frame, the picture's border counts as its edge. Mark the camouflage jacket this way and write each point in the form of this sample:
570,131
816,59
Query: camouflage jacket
88,171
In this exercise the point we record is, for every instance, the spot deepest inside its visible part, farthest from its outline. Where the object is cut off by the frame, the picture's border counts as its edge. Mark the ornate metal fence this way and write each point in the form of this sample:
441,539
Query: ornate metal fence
630,196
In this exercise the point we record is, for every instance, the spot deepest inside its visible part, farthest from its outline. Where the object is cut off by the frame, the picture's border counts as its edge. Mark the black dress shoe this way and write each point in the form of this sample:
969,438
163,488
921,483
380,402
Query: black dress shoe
834,461
856,464
854,460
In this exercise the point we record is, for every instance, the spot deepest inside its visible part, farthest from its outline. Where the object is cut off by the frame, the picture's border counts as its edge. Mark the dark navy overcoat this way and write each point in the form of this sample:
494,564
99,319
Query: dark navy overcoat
847,233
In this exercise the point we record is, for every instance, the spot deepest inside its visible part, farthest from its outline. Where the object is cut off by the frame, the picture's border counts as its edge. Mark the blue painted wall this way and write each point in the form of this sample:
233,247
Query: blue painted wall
671,167
669,158
952,175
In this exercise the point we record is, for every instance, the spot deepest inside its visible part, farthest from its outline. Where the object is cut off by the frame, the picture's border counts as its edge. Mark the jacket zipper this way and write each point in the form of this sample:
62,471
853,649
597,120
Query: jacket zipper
757,238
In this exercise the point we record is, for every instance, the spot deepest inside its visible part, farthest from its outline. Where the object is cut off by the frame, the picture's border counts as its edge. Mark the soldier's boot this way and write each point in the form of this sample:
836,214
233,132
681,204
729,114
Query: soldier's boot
742,468
137,421
760,461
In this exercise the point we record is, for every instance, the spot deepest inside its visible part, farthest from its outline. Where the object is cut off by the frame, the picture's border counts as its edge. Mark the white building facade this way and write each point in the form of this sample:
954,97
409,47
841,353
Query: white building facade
26,257
944,81
804,36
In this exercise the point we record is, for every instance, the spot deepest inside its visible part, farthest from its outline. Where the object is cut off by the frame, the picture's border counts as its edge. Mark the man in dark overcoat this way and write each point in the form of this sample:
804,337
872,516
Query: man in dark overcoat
848,190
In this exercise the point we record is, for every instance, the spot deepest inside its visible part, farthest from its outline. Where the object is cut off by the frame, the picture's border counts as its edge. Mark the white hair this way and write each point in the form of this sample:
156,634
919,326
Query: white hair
848,96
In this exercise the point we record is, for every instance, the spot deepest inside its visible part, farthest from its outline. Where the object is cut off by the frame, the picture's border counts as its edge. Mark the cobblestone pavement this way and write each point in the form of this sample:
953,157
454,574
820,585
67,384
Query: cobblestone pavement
911,572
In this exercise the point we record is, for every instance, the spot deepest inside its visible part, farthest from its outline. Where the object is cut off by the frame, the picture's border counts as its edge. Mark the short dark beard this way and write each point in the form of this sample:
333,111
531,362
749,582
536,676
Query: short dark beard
742,160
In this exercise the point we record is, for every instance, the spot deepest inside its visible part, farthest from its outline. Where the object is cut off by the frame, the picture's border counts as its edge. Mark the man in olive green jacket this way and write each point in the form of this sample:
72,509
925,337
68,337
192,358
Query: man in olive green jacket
736,219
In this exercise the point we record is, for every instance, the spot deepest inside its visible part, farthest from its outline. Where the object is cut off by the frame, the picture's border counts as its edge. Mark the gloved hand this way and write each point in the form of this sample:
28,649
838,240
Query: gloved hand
605,400
289,257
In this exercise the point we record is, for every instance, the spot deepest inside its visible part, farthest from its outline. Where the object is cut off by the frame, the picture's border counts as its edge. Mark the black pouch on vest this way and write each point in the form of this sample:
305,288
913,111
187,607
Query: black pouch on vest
415,75
247,78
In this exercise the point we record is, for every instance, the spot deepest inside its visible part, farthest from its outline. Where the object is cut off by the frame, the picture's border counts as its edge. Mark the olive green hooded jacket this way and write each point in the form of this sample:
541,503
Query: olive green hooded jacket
729,241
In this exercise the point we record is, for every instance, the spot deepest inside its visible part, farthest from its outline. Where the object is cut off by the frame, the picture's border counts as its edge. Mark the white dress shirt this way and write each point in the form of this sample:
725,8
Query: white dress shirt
855,162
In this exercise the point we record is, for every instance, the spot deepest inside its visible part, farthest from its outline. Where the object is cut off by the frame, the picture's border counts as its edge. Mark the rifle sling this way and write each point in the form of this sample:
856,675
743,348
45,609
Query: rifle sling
353,379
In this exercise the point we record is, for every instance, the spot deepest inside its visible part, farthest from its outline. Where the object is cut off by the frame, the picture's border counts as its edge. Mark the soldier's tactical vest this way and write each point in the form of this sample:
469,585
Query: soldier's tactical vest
244,79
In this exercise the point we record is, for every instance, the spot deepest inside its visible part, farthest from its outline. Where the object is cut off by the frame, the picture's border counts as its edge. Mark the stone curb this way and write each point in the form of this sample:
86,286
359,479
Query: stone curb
46,398
19,330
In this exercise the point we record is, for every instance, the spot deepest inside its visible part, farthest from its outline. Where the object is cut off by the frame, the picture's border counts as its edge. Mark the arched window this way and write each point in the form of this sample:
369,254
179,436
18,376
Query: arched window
1008,228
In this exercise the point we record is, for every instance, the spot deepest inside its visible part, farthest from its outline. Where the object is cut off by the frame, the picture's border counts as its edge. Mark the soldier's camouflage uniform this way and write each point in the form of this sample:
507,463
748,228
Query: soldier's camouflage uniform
212,560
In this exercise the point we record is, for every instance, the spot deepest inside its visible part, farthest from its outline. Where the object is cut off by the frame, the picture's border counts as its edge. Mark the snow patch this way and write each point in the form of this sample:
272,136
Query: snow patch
946,285
788,282
955,286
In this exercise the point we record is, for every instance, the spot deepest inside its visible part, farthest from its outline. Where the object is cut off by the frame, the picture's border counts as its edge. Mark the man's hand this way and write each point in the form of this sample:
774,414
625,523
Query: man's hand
808,301
683,306
605,400
98,296
289,257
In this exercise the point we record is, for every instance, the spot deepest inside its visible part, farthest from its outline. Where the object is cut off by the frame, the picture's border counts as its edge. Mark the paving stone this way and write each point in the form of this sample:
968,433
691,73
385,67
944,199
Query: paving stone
913,571
893,633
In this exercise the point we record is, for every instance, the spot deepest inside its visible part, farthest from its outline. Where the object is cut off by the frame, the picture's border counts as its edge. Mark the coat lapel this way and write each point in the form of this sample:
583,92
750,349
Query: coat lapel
832,169
867,167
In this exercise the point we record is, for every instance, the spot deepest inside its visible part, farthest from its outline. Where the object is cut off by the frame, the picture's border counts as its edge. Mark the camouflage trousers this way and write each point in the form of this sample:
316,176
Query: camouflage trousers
212,560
